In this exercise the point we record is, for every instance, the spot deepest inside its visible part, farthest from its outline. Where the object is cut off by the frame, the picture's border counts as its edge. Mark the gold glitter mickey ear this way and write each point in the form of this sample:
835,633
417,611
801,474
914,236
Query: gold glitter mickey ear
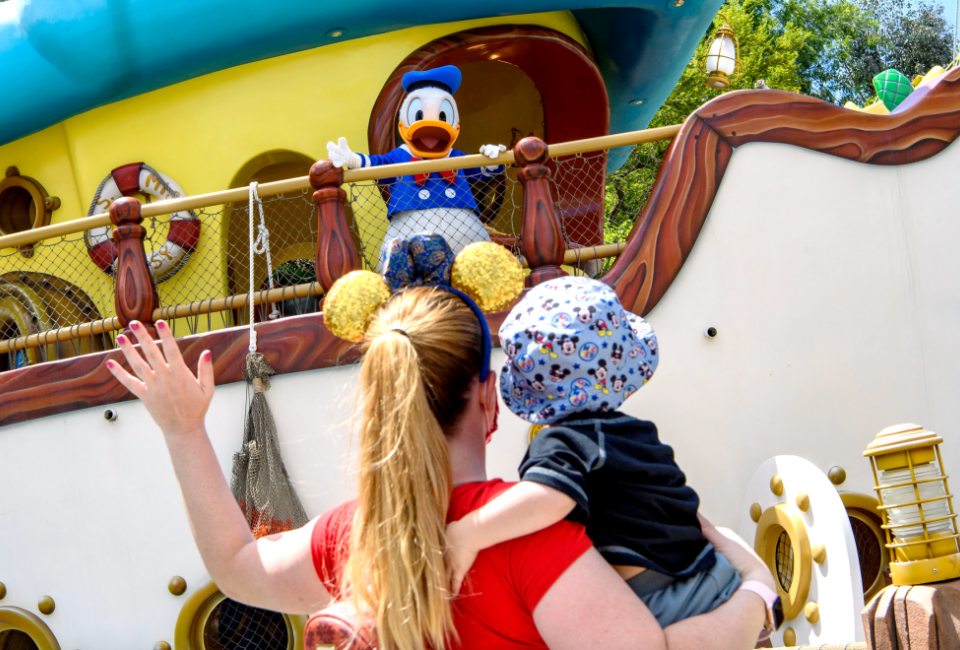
351,301
489,274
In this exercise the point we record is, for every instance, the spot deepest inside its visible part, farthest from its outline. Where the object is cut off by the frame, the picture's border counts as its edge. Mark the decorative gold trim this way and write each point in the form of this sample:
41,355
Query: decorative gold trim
837,475
188,634
177,586
14,618
812,612
776,485
774,521
860,501
789,637
755,511
803,501
46,605
819,553
3,591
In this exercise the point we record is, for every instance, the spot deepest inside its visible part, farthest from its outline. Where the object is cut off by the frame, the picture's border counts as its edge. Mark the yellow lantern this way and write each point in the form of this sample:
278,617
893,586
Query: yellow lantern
721,61
916,504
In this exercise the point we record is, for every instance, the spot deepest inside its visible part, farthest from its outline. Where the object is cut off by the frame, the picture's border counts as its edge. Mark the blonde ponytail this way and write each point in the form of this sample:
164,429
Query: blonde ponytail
421,353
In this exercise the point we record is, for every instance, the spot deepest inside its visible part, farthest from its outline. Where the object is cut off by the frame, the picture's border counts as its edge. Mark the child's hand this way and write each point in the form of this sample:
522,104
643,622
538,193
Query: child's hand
460,555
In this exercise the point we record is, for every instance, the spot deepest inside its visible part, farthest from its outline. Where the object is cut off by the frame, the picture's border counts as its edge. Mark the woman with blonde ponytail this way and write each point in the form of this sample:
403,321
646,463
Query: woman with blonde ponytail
428,405
415,378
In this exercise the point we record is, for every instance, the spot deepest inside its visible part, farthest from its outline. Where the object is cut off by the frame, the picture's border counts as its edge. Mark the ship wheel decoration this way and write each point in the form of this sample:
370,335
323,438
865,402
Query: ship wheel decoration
801,530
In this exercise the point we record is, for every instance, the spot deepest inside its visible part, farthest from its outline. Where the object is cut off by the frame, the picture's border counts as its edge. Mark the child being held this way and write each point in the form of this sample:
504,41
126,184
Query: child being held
573,356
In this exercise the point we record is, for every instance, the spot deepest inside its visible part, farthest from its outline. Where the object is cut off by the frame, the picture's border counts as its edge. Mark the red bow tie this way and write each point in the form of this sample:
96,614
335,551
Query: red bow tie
450,175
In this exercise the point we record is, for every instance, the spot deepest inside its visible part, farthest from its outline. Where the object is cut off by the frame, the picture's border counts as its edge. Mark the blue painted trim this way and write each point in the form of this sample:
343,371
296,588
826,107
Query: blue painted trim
60,58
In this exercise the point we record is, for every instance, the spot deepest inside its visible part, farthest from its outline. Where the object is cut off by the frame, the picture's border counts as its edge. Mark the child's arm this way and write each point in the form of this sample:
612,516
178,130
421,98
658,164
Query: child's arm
523,509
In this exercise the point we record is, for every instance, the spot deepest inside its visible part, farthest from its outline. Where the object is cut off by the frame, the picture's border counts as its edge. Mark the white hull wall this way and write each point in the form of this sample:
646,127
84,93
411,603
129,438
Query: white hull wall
833,287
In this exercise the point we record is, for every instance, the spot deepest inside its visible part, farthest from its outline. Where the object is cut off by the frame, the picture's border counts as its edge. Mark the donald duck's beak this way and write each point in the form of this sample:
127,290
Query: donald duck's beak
429,138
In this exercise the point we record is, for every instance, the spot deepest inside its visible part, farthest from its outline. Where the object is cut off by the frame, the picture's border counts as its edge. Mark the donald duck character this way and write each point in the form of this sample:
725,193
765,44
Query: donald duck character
429,124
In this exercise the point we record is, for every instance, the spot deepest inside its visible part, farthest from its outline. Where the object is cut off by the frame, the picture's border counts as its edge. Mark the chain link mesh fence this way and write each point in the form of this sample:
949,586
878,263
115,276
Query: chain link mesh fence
60,284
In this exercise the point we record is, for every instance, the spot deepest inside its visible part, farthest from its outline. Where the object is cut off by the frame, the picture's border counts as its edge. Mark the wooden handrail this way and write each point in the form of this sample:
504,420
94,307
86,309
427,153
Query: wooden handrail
239,301
159,208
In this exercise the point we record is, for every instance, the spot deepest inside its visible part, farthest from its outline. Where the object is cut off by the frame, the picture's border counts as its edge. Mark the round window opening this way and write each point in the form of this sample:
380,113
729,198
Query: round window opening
234,626
17,210
16,640
784,561
868,551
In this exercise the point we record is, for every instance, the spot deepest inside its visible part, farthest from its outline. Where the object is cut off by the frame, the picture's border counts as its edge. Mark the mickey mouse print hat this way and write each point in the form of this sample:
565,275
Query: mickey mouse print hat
572,347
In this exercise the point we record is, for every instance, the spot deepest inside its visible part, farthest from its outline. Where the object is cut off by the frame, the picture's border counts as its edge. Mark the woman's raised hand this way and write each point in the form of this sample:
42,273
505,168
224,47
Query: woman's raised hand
175,398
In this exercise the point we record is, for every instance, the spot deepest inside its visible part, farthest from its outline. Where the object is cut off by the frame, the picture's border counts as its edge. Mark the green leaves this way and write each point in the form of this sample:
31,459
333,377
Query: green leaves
830,49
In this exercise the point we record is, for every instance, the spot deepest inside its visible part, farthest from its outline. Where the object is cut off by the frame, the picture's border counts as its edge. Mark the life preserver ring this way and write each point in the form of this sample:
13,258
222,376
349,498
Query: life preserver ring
184,232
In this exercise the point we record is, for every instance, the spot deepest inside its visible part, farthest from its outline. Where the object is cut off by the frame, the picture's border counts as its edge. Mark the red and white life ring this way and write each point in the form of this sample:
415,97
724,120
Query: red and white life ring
184,232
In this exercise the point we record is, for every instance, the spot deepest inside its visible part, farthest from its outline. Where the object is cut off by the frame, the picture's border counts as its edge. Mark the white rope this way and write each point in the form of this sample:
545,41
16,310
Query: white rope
259,246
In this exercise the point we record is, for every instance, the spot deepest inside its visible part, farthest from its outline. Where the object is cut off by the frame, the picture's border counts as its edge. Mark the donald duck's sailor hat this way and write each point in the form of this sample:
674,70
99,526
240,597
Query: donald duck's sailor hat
448,77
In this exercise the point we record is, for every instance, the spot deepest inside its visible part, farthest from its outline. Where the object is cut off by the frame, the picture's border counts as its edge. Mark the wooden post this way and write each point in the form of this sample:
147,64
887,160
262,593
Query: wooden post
336,254
541,239
135,294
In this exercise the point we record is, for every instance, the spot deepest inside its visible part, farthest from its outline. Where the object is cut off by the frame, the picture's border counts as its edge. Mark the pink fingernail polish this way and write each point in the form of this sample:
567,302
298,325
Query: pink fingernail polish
206,355
110,364
134,325
121,339
161,325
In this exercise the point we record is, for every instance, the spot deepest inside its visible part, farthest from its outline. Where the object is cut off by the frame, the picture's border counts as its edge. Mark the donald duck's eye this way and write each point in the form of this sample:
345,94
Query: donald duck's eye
446,112
415,111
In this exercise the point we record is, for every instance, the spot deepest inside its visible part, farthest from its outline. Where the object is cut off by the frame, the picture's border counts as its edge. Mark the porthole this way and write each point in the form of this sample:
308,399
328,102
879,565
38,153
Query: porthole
872,553
24,205
211,621
782,543
21,630
784,561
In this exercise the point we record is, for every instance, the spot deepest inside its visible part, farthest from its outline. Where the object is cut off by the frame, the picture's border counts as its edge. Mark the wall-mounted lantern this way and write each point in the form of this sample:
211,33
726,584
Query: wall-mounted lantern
722,60
916,504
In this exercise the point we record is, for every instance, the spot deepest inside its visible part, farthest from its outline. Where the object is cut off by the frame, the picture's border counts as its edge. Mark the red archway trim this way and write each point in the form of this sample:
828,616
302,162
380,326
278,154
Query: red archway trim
697,159
574,95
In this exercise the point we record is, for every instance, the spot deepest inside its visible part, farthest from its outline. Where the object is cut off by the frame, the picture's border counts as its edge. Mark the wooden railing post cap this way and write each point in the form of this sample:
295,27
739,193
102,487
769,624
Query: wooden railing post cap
323,173
125,210
531,151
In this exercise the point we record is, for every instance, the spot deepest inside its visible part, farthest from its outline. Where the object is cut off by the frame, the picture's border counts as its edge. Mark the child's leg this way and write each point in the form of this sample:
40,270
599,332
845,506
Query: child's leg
671,599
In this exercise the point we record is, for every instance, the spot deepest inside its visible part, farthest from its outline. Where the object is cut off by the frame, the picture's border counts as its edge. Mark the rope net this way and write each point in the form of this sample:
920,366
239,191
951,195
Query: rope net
64,285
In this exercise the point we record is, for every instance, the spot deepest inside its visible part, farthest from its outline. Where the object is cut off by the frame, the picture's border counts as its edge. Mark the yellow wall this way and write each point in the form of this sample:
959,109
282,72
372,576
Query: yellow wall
201,132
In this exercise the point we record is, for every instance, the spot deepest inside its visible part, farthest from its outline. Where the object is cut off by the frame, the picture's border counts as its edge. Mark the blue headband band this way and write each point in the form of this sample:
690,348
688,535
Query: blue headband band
484,328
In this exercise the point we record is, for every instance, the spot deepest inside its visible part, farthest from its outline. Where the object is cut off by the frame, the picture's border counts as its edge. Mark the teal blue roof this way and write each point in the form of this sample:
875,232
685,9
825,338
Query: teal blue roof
59,58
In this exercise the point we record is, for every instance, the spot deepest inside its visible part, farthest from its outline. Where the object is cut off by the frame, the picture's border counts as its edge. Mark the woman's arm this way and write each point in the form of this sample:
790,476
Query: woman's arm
274,572
521,510
590,605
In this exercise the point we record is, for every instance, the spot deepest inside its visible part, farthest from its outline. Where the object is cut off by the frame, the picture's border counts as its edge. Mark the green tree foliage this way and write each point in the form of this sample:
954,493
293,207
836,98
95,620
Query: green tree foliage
829,49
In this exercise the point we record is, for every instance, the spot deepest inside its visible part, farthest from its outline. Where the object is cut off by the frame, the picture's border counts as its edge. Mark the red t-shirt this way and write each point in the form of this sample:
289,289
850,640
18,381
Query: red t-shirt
505,584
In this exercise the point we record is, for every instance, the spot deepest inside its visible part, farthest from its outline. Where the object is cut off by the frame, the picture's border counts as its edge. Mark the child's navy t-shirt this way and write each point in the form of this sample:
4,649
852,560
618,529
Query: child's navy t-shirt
630,493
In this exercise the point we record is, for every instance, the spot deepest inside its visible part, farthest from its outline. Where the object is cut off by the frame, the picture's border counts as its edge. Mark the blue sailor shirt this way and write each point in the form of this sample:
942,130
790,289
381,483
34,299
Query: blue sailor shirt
435,193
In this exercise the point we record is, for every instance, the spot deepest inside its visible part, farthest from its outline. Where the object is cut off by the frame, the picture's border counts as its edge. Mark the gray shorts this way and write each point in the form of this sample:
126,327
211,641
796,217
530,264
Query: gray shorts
674,599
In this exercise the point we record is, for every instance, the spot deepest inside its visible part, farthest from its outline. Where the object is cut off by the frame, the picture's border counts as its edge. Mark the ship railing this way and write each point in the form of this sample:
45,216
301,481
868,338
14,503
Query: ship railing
552,207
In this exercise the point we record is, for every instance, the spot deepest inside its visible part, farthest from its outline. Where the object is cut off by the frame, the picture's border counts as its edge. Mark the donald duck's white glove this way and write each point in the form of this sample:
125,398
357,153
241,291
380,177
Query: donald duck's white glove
491,151
341,155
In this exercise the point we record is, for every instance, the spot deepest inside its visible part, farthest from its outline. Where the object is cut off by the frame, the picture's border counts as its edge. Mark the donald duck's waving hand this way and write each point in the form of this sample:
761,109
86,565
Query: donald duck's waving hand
429,124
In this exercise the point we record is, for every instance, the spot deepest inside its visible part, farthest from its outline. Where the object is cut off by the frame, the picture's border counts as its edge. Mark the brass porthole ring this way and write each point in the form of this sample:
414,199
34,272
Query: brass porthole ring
14,619
201,608
784,546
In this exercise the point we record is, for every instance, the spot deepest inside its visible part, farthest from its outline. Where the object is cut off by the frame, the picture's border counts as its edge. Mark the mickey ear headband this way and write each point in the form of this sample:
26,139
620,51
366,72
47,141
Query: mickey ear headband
484,275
